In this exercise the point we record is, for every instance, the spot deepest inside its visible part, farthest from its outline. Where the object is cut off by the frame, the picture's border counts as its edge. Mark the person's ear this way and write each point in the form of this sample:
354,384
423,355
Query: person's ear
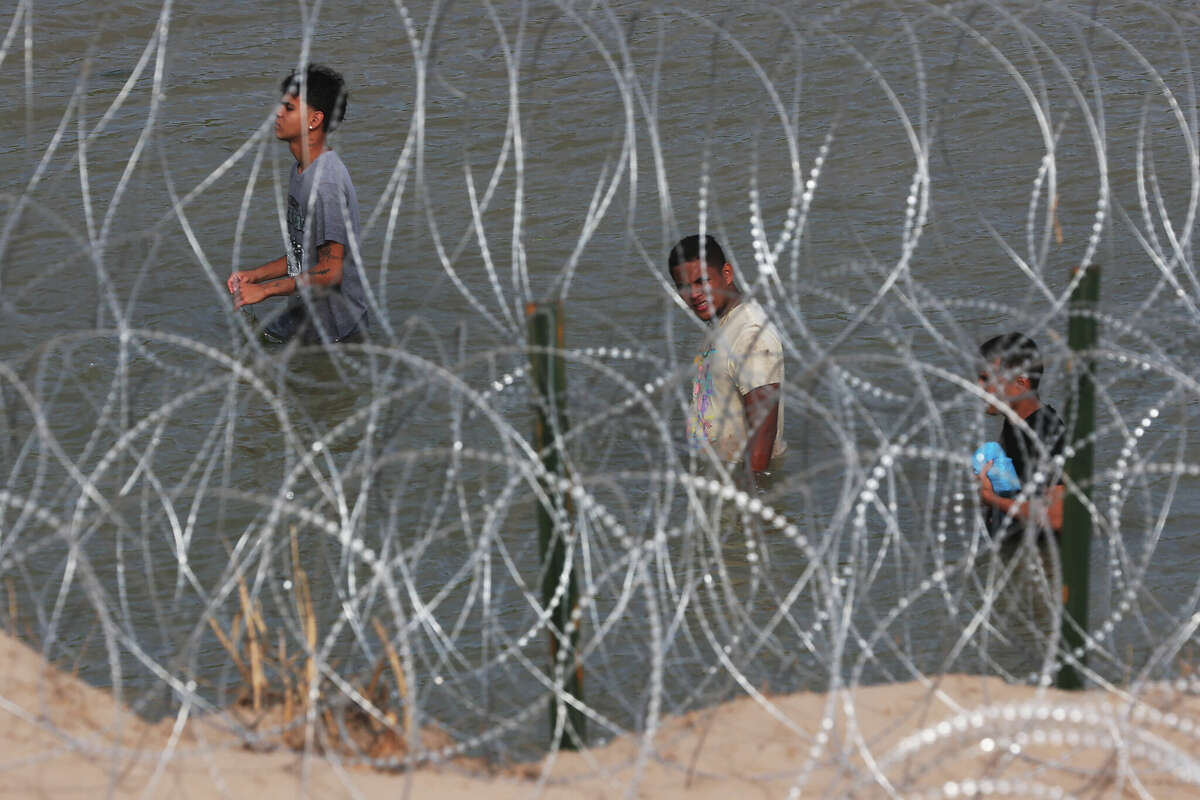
727,273
315,118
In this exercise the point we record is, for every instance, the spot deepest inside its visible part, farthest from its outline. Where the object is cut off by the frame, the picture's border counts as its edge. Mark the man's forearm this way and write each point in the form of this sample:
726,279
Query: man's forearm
761,407
278,286
1052,507
254,290
326,272
1005,506
268,271
762,442
271,279
328,269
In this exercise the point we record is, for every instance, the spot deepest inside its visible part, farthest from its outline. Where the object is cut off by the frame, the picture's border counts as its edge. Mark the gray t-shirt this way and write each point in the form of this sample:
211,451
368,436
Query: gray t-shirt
322,207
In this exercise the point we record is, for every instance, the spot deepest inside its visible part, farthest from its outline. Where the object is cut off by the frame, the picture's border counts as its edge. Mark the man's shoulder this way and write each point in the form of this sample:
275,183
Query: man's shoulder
1050,427
335,160
751,311
1048,412
752,323
1047,420
330,167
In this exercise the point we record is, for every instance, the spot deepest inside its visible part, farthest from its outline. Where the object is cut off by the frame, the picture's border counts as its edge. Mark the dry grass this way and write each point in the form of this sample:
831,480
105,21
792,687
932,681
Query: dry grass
13,623
285,701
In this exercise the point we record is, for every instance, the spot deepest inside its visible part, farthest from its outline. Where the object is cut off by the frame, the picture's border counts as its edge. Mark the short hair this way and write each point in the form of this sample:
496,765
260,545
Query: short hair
1015,351
323,89
688,249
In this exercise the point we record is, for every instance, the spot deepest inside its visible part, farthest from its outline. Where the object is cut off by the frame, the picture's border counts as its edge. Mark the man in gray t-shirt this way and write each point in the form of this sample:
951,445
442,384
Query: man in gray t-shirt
320,269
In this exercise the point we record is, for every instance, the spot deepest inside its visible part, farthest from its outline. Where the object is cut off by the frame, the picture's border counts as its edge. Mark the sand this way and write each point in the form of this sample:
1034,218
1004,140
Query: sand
957,736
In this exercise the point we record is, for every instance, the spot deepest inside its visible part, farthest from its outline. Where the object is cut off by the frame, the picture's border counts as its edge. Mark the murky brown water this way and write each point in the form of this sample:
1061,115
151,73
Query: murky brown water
172,473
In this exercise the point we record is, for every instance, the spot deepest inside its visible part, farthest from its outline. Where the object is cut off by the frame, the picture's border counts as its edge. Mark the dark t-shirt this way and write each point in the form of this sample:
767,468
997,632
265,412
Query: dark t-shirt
1031,455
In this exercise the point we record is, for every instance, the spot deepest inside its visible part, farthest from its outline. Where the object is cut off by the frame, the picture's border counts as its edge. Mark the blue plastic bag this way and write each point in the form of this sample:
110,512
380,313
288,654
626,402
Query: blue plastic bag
1002,474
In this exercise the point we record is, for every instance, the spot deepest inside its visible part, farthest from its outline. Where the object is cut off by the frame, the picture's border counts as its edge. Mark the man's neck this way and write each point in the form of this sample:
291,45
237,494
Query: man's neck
1026,406
306,151
734,302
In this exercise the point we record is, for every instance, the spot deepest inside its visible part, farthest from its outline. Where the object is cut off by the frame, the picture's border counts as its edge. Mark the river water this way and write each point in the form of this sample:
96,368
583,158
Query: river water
895,182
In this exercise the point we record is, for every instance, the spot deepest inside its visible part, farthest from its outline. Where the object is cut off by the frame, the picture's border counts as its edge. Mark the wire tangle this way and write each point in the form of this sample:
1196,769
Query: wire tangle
335,548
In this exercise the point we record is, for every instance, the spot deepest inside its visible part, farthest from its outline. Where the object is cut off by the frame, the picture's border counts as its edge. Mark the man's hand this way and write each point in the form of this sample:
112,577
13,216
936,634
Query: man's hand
247,294
1049,509
239,278
244,277
987,494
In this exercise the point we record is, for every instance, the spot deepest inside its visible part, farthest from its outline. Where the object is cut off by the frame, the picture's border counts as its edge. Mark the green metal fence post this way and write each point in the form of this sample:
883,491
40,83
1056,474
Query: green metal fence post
545,326
1075,539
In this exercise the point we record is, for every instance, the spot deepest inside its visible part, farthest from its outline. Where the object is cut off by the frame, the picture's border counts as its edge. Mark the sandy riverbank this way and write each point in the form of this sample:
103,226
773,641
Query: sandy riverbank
962,735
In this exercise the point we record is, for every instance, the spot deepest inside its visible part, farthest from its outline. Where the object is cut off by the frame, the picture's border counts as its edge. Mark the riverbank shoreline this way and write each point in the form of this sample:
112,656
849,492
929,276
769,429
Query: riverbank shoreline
951,736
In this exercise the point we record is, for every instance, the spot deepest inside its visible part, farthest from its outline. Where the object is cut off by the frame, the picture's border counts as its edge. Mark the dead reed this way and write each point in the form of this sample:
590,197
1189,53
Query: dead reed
286,701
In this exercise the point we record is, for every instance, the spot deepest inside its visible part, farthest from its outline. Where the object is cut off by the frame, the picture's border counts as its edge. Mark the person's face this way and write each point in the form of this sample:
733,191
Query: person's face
705,289
1006,384
294,119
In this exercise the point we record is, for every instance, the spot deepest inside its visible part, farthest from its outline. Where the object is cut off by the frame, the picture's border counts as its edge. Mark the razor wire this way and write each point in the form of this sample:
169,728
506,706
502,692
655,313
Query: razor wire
194,518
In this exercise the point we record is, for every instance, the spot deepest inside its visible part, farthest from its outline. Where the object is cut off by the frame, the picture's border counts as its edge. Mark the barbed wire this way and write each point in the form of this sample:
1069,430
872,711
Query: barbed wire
335,548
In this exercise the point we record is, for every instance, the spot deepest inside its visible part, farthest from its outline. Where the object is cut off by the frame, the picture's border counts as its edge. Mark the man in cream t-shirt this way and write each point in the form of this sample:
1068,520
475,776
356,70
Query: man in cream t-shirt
737,406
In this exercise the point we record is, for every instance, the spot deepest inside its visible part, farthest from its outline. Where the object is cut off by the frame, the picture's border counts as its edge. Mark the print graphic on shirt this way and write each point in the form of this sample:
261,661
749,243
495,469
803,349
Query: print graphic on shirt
700,426
295,220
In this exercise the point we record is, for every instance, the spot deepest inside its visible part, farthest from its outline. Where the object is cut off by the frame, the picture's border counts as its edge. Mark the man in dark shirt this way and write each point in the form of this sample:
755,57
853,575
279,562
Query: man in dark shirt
320,268
1011,371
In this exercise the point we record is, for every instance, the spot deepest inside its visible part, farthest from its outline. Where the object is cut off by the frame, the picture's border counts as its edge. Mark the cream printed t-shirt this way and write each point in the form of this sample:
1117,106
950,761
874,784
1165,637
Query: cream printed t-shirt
741,354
